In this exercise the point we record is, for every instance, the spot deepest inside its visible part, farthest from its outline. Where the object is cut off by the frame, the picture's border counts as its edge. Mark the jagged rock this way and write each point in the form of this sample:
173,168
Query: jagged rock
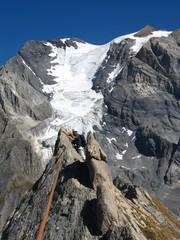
126,188
20,169
37,59
22,110
106,207
94,150
119,233
102,181
173,173
71,42
145,31
97,162
71,155
150,144
99,172
145,90
79,212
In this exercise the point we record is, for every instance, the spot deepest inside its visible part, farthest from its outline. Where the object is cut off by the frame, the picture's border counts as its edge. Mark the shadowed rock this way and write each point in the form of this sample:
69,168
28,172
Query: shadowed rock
81,212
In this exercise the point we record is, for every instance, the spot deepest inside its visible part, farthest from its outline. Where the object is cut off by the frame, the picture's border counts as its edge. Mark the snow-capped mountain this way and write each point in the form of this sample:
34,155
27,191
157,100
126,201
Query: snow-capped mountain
126,92
74,102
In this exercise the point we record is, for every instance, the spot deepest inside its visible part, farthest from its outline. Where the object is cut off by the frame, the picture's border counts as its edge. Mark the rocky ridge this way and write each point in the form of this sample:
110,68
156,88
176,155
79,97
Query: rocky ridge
139,127
87,204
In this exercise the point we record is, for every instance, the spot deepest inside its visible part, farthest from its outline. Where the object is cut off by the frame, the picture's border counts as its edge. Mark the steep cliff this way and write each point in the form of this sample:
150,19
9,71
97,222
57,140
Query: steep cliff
144,98
126,92
87,204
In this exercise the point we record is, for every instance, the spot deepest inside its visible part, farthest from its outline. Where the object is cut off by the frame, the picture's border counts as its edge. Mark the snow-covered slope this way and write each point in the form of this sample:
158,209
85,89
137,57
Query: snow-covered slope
74,102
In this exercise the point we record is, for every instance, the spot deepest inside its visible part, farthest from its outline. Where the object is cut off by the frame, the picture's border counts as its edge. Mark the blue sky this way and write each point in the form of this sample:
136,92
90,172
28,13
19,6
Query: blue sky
95,21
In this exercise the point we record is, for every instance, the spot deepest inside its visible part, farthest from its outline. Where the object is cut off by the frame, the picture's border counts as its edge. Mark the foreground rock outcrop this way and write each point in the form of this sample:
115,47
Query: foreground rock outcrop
87,204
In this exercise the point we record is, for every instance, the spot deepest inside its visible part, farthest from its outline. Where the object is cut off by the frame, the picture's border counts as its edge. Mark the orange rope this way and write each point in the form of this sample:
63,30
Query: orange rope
42,226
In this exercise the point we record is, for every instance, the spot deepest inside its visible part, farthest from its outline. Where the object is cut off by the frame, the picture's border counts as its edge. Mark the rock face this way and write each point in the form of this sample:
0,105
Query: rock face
23,109
145,100
87,204
102,182
139,132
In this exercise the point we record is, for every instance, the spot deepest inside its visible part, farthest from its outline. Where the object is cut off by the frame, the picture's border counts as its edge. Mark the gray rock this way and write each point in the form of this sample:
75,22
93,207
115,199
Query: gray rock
79,212
140,130
144,94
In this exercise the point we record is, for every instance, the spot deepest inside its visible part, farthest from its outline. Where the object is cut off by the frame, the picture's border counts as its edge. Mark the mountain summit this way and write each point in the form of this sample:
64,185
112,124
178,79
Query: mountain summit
126,93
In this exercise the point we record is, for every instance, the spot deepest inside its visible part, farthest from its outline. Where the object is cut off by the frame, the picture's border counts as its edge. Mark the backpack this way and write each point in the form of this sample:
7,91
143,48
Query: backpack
83,140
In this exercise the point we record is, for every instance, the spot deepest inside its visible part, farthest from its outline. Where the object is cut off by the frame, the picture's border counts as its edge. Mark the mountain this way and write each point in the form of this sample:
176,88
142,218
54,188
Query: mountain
125,92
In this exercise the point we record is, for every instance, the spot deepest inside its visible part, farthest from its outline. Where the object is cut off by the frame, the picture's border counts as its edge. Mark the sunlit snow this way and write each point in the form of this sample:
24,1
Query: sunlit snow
129,132
74,103
136,157
110,140
143,40
114,73
119,156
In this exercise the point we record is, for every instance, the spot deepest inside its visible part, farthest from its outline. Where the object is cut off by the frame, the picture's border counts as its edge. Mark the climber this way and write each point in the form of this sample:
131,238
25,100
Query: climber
77,142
